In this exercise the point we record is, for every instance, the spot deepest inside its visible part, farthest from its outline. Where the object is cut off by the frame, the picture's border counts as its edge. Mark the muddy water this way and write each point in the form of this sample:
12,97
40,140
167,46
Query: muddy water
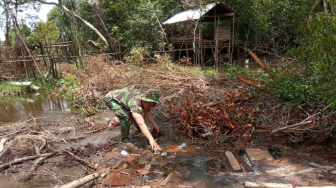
45,106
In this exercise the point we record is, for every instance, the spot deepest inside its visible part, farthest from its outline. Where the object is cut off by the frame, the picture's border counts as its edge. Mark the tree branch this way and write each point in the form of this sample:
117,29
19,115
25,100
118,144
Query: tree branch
22,160
79,159
305,121
81,181
76,16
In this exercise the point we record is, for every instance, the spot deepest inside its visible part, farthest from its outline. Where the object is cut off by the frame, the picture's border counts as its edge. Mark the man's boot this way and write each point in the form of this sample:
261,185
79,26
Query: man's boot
124,134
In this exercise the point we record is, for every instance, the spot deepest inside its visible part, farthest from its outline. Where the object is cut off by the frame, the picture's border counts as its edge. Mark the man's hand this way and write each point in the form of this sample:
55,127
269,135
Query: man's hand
154,144
113,124
144,129
157,128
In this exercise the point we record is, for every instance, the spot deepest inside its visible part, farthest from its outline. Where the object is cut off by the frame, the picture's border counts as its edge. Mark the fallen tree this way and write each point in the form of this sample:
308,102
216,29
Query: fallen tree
30,84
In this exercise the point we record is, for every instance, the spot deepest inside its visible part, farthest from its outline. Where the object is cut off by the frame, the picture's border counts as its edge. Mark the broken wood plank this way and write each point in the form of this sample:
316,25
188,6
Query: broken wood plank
254,83
245,167
256,154
265,67
233,161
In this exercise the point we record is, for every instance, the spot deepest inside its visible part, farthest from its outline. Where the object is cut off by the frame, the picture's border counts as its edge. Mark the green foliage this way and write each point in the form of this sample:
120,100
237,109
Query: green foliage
134,23
60,18
24,30
47,82
69,82
289,85
48,33
130,23
318,56
136,57
210,72
68,88
231,71
294,88
269,21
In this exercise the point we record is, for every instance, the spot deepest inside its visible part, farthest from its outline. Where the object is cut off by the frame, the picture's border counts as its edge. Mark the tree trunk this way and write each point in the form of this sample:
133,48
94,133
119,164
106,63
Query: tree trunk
78,41
331,7
42,48
325,6
76,16
62,32
96,13
7,27
73,46
64,48
163,33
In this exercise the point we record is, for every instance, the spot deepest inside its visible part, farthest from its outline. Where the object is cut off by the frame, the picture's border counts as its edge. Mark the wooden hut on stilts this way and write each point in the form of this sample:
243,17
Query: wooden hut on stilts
222,42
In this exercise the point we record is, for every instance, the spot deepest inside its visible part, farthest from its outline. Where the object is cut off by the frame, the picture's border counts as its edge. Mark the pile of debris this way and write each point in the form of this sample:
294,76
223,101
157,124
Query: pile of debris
198,117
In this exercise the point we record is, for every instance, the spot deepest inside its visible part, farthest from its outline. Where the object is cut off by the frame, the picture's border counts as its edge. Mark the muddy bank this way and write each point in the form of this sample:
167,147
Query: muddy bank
82,146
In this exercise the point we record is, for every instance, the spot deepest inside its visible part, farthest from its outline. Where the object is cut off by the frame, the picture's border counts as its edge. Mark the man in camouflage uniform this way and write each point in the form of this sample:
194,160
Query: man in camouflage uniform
129,105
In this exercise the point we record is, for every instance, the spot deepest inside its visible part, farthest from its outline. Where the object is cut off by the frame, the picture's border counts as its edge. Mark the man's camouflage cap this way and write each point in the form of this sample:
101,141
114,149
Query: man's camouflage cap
152,95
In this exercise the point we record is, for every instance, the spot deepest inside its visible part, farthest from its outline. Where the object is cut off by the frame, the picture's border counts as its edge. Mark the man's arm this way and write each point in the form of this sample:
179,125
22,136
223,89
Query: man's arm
144,129
150,118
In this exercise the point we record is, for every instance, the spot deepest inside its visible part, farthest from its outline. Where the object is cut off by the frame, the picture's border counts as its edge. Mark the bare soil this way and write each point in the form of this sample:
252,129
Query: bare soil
201,164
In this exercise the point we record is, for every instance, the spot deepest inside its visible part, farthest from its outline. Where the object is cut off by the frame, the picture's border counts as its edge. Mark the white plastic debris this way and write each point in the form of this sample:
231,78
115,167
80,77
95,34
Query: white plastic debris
182,146
123,152
164,153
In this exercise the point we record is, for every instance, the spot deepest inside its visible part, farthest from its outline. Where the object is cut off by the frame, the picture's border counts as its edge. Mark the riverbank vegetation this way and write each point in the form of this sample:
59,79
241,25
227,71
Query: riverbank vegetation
9,87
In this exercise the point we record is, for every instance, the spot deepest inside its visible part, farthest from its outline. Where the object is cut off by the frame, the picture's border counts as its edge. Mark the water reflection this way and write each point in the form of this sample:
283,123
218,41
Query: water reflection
49,107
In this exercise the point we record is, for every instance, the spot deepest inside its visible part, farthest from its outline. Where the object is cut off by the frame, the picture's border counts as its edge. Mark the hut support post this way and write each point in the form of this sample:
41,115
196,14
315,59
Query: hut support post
230,52
233,34
187,51
216,39
200,45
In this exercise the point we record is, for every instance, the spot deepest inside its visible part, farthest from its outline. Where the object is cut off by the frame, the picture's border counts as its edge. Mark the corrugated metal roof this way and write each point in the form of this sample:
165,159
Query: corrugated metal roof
206,13
191,14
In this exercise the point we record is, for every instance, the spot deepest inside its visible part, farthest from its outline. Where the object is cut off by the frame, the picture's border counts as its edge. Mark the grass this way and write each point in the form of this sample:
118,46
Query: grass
4,86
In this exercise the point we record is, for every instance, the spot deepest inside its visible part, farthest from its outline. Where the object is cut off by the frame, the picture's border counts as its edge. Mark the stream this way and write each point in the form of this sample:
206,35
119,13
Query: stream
40,105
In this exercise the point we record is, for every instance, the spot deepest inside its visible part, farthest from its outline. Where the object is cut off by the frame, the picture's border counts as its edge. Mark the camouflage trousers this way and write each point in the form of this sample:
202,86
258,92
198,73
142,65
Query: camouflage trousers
121,112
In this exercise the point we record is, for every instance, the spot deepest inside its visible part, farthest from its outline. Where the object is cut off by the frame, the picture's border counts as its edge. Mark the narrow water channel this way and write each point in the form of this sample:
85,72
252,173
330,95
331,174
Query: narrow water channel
41,105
